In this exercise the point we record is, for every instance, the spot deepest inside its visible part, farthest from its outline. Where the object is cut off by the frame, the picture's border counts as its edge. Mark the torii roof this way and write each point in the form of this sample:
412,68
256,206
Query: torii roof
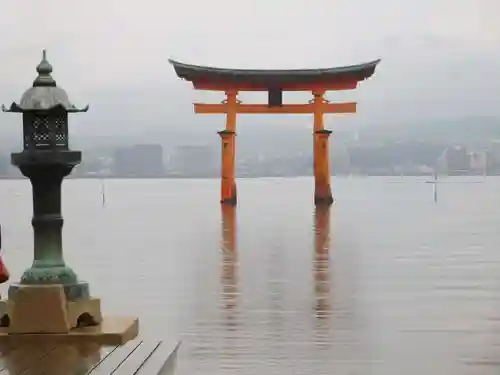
274,77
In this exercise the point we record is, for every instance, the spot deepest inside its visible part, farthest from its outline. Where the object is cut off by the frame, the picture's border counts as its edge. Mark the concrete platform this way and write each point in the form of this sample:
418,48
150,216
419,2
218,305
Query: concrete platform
137,357
111,331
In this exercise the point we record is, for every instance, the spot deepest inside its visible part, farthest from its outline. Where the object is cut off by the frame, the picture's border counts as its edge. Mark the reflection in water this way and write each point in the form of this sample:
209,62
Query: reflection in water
229,274
229,292
321,264
337,335
279,330
435,187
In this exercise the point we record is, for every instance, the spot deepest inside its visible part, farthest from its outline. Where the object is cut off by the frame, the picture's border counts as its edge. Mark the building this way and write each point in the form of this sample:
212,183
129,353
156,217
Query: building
457,159
194,161
454,160
139,161
478,162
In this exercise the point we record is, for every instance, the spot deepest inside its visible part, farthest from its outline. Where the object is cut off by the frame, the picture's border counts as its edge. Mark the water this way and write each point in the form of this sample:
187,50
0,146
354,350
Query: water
386,282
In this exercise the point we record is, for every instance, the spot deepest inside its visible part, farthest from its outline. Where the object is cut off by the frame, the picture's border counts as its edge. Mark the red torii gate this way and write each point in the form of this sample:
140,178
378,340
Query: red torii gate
317,81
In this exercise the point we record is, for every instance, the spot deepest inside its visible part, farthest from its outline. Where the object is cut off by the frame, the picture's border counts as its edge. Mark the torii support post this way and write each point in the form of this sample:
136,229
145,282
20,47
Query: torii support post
228,193
275,82
322,175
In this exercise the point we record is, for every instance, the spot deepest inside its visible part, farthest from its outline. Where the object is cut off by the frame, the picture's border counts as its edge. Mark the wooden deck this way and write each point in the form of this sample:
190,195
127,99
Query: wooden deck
135,357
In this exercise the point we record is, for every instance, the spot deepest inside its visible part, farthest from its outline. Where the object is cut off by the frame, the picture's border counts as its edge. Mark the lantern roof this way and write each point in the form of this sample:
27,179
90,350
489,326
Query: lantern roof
44,95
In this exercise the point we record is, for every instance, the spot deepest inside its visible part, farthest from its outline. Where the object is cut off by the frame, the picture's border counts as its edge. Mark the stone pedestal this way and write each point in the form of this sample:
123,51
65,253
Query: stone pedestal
45,312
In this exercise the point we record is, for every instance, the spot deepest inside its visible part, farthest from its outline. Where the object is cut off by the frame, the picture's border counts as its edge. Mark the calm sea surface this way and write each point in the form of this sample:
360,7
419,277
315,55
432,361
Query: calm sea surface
385,282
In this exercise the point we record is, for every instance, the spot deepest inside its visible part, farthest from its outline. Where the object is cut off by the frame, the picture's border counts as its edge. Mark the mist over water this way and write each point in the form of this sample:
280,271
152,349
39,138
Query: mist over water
385,282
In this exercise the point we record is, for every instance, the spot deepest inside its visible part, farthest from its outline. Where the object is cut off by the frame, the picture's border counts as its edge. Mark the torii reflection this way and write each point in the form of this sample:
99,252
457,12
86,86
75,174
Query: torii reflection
321,263
229,263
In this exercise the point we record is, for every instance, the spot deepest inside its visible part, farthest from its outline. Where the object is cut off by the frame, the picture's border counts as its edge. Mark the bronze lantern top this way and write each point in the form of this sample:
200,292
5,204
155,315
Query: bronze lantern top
44,95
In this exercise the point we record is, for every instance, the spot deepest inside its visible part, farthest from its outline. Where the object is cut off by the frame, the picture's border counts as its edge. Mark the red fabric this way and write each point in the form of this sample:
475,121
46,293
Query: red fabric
4,273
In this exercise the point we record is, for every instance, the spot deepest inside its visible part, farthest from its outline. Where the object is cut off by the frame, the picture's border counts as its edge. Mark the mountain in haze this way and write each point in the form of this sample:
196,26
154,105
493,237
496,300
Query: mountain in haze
467,130
261,137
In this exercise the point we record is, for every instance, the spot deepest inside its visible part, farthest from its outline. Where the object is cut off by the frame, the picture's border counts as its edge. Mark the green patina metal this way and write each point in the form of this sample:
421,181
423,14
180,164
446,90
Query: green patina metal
46,159
46,273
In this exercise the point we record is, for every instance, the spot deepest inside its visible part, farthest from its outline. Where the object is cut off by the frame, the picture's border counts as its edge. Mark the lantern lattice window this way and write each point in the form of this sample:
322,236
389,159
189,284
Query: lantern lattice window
41,131
46,130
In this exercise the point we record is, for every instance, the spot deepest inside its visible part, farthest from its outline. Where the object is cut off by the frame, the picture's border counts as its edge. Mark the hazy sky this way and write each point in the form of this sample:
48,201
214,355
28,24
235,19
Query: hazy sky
440,58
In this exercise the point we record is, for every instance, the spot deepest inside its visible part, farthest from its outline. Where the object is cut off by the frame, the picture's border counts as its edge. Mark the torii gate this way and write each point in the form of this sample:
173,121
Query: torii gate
318,81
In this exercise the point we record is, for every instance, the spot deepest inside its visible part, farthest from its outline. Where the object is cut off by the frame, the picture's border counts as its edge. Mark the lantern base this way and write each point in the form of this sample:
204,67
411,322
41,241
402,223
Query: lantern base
45,308
111,331
43,311
73,292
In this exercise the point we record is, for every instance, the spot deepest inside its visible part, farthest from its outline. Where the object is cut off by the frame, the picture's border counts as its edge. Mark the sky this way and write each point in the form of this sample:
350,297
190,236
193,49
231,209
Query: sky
440,58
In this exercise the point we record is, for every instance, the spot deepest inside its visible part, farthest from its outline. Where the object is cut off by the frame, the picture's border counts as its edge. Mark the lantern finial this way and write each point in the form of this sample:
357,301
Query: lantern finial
44,69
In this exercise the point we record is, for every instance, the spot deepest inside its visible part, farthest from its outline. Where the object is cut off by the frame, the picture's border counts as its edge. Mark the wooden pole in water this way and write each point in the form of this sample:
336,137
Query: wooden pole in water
103,193
435,187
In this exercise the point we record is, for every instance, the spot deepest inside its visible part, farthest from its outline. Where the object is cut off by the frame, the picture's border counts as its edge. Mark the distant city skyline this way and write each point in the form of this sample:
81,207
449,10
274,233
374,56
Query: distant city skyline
467,147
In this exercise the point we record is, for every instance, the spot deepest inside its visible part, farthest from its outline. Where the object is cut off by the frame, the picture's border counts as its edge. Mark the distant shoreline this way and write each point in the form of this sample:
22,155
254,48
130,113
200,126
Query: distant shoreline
239,177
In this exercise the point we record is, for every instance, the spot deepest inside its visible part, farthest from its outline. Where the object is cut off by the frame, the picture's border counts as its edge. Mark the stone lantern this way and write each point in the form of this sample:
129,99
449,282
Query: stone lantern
49,286
46,159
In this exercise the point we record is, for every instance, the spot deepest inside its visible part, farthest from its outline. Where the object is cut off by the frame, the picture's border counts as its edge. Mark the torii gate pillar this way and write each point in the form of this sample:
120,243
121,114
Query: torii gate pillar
322,174
228,193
